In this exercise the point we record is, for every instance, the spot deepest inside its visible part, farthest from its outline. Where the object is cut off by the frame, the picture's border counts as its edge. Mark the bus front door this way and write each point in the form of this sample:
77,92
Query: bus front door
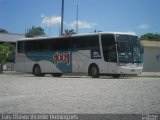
79,60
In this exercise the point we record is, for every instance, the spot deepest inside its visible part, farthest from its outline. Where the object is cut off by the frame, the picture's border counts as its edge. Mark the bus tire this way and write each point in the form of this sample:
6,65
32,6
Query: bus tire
37,70
94,71
116,75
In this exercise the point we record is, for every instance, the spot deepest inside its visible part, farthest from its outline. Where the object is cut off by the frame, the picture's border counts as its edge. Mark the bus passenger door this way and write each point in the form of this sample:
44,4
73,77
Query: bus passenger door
83,57
79,60
112,60
74,62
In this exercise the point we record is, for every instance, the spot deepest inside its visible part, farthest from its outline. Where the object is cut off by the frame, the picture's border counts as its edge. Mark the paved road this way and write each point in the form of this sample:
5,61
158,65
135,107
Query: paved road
27,94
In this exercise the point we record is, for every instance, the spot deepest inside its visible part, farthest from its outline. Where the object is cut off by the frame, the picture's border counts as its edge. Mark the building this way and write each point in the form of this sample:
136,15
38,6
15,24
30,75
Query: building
10,38
151,55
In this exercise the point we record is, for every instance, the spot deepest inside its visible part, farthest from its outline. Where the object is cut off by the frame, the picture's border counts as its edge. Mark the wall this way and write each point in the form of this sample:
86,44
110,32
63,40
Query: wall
151,56
151,59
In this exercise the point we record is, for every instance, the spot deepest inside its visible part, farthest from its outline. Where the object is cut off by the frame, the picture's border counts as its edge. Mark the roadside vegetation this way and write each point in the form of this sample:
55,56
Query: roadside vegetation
151,37
34,31
6,51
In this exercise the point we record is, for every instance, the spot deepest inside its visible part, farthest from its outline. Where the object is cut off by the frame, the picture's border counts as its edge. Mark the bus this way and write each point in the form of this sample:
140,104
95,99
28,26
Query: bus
93,54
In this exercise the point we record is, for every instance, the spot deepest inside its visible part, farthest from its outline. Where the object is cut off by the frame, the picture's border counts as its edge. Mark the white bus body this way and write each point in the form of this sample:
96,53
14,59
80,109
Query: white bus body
93,54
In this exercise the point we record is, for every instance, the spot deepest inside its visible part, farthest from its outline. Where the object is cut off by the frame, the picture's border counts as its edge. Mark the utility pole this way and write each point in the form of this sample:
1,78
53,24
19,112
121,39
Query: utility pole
77,20
62,16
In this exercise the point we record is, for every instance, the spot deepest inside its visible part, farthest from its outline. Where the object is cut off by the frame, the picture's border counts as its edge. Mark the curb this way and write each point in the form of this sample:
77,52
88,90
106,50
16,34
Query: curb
149,74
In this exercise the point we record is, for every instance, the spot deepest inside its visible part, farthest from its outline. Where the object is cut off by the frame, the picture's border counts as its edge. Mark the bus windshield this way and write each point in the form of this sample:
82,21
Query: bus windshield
129,49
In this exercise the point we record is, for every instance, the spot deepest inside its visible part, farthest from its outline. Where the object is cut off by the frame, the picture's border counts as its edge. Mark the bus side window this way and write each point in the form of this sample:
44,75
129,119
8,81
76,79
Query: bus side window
112,54
74,46
108,46
21,47
85,43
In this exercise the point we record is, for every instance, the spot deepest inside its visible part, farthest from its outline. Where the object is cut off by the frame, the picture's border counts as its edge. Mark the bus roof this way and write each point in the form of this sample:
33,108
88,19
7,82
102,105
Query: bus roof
76,35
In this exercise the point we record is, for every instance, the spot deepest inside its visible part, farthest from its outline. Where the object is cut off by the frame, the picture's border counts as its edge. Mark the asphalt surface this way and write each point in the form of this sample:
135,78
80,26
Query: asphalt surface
24,93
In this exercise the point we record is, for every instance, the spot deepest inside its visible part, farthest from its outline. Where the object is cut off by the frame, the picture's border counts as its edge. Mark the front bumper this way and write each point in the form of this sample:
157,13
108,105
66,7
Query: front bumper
130,69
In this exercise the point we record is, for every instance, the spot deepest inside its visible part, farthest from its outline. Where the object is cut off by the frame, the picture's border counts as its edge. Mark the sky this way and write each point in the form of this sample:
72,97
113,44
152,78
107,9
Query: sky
133,16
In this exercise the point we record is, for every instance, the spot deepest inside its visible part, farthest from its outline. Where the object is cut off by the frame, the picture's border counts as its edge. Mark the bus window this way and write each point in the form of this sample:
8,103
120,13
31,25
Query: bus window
21,47
61,44
85,43
109,48
112,54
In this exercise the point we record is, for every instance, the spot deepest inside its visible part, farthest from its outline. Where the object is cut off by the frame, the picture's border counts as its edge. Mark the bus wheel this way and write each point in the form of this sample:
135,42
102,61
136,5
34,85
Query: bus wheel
57,74
37,71
94,71
116,75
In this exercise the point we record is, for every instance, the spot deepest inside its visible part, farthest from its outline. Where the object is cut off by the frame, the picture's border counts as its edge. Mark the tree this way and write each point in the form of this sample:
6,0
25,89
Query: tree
3,30
150,36
6,50
95,31
34,31
69,32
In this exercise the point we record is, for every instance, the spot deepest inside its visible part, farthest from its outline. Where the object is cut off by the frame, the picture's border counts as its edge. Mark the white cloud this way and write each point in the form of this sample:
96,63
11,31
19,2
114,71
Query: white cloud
50,21
82,24
131,32
56,20
144,26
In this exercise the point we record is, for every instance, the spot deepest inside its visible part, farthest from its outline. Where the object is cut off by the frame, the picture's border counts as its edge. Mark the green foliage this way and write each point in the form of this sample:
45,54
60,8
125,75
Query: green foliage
150,36
34,31
6,50
3,31
69,32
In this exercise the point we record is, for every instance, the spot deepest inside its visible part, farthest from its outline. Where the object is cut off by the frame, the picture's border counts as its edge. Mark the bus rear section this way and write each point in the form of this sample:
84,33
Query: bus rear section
56,56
